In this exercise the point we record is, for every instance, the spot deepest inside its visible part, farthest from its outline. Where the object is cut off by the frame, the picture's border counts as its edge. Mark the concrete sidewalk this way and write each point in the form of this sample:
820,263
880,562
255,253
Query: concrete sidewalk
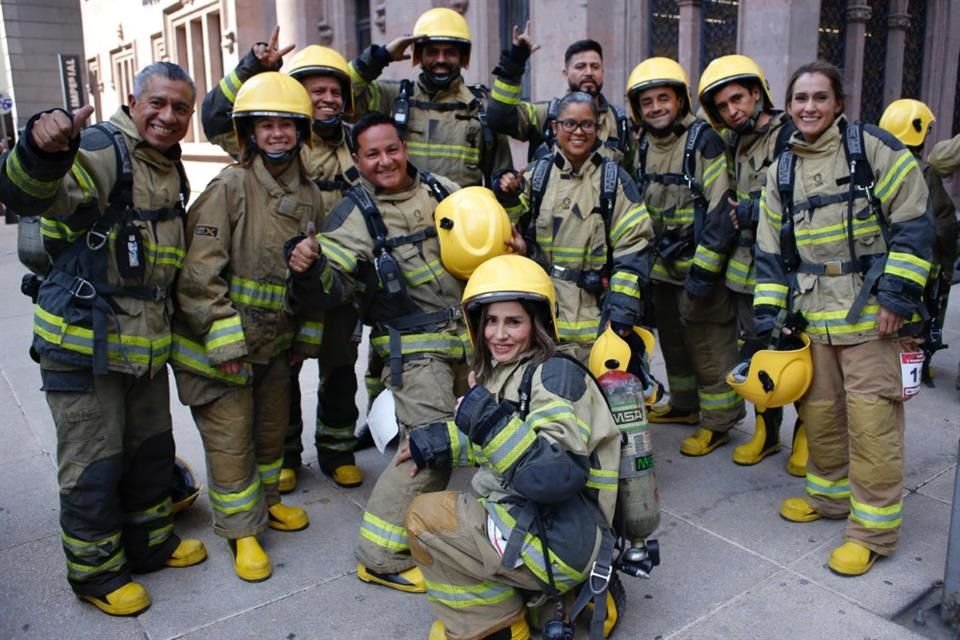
731,567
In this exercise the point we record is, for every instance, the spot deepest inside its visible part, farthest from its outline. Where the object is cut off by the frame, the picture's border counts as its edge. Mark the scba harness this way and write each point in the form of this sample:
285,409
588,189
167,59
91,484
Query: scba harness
76,288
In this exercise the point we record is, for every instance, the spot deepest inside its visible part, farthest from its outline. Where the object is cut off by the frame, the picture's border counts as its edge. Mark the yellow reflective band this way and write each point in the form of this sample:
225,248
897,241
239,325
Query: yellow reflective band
424,274
631,219
192,355
39,189
719,401
531,114
464,597
383,534
87,187
895,175
817,486
310,332
774,219
715,169
223,332
159,536
355,78
708,259
58,231
681,216
163,254
229,86
80,572
229,503
625,283
335,252
740,273
768,293
443,343
682,383
558,411
462,451
436,150
807,236
835,322
157,511
876,517
908,267
506,92
90,547
511,442
678,268
270,472
583,331
263,295
603,479
120,348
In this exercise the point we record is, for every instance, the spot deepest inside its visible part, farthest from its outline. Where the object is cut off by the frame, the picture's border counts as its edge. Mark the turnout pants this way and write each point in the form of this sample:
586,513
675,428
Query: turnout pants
468,588
428,395
115,456
854,416
698,337
242,432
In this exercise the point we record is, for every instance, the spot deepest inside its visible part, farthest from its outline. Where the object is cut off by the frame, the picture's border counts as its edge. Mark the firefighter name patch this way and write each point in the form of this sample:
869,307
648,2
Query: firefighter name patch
207,231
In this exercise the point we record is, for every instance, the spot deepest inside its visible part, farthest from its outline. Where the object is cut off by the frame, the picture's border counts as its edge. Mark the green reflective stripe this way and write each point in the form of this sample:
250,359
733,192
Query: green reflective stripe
575,254
682,383
164,254
355,78
103,547
584,331
464,597
773,217
876,517
511,442
310,332
462,451
682,216
79,572
719,401
160,535
157,511
264,295
39,189
87,186
192,355
229,85
817,486
632,218
436,150
558,411
768,293
515,212
808,237
506,92
740,273
908,267
834,322
680,267
224,332
383,534
424,274
531,551
531,113
120,348
336,252
56,230
270,472
895,175
708,260
603,479
230,502
714,169
624,283
443,343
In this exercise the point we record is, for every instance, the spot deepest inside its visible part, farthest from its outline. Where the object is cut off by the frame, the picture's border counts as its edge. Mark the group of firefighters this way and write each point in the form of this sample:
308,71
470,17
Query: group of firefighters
731,233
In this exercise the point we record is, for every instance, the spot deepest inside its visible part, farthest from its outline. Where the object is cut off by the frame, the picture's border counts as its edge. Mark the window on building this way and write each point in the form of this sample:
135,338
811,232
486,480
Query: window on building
94,88
363,33
875,56
515,13
196,46
718,29
664,28
123,66
158,47
833,31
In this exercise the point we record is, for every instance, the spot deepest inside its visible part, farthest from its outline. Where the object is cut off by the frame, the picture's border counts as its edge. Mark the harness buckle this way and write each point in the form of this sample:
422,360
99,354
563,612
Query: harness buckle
833,268
159,293
603,572
82,289
97,239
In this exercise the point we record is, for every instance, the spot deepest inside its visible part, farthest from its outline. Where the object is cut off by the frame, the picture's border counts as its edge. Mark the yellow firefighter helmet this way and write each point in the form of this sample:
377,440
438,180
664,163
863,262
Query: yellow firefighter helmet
508,277
774,378
323,61
272,93
184,489
727,69
908,120
472,227
655,72
611,352
442,25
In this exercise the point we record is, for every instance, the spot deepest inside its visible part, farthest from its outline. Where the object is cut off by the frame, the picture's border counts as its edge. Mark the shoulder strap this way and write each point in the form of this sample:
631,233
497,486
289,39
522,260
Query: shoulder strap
642,149
371,215
438,191
690,150
623,128
783,138
553,112
788,239
609,179
861,176
121,196
538,185
526,382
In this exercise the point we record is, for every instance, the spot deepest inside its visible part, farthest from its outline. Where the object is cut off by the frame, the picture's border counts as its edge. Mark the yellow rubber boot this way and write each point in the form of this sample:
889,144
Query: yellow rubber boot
519,630
347,475
188,553
702,442
797,463
851,559
288,480
250,561
286,518
798,510
410,581
765,442
128,600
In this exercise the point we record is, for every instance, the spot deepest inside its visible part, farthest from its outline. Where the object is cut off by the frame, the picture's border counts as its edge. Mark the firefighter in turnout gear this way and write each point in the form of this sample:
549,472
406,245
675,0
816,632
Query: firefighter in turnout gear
441,118
324,74
533,122
682,169
845,239
234,340
584,223
910,121
379,246
547,484
736,98
112,205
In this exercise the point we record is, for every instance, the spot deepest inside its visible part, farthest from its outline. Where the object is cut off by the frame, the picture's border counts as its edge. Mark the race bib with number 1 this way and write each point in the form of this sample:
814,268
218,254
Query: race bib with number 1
911,367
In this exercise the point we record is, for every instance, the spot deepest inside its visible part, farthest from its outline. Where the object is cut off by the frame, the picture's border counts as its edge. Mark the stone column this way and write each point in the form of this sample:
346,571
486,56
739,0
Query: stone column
858,14
898,21
554,28
298,22
688,47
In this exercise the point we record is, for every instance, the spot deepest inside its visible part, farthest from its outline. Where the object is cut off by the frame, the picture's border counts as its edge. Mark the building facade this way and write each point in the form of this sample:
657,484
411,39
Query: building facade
886,48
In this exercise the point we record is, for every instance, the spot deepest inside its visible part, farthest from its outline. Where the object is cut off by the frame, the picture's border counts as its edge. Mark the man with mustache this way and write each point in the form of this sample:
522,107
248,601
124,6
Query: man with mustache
526,121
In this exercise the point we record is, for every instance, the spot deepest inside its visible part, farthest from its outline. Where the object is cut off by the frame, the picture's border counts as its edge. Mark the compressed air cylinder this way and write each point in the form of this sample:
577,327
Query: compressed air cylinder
638,503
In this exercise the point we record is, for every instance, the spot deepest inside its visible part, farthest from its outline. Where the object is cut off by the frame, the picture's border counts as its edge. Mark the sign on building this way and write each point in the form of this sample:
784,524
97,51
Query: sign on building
70,81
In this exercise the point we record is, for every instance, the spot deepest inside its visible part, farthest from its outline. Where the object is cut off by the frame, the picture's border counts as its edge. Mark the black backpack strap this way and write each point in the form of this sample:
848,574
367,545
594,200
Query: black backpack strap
437,190
642,148
538,185
372,217
553,112
689,175
401,105
609,179
788,239
623,130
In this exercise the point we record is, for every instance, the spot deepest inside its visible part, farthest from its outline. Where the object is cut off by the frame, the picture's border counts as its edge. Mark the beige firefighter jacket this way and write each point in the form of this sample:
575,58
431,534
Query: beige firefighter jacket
63,189
231,293
821,235
945,156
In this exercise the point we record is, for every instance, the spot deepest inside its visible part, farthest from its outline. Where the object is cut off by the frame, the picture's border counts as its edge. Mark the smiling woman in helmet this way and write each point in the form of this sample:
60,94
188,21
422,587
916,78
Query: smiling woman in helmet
234,341
543,431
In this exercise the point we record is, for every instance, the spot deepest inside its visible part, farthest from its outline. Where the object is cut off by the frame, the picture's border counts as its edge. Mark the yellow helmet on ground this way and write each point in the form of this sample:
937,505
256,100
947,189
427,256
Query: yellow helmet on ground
774,378
724,70
472,227
504,278
184,488
611,352
442,25
909,120
323,61
655,72
271,94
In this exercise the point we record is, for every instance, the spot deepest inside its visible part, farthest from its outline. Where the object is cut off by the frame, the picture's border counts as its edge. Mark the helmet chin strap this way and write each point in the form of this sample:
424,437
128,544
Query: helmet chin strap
438,81
751,123
278,157
329,123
